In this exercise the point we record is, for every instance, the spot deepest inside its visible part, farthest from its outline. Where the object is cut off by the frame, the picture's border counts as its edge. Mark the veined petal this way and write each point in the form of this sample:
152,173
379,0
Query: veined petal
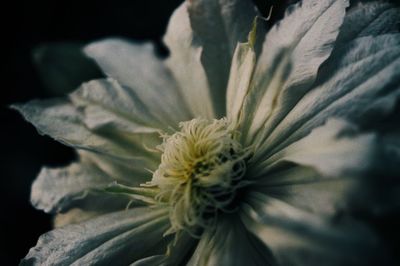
296,237
230,244
82,185
217,27
64,122
334,150
185,64
369,18
306,189
241,72
308,32
113,237
359,83
145,77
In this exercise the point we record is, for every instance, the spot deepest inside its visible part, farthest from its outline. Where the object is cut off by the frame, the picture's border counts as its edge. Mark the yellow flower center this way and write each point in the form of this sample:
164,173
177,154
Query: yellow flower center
201,169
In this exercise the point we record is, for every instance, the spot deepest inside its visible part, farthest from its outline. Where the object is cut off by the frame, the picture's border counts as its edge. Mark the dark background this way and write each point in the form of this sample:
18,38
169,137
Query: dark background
27,31
28,25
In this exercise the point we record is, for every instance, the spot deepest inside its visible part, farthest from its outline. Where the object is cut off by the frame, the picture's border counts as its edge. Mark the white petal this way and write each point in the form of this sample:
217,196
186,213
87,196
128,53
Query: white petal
334,150
65,123
137,67
299,238
306,189
230,244
217,27
309,30
184,62
109,238
242,67
359,83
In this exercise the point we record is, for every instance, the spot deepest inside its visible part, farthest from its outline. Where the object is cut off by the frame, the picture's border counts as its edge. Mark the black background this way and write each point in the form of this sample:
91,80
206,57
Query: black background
27,25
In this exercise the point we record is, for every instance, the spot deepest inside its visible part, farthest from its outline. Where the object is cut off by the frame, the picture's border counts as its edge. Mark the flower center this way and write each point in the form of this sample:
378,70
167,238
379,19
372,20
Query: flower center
201,169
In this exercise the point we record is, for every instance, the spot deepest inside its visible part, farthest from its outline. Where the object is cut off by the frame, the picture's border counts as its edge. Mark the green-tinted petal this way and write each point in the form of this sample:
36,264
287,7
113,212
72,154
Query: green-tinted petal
109,238
241,72
145,76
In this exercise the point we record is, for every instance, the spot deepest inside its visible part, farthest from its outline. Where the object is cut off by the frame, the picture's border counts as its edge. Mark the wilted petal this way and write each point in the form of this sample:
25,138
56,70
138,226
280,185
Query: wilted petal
137,67
308,31
109,238
230,244
296,237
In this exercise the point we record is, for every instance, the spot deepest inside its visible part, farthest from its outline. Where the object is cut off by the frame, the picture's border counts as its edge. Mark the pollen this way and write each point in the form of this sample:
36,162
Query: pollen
202,168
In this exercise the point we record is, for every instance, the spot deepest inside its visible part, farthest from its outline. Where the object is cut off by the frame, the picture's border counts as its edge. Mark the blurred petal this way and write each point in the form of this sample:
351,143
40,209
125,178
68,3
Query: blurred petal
305,188
109,238
217,27
145,76
300,238
230,244
308,31
63,67
335,149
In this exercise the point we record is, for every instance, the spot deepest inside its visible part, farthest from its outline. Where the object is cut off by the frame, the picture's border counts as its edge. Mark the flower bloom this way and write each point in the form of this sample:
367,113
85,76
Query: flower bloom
241,148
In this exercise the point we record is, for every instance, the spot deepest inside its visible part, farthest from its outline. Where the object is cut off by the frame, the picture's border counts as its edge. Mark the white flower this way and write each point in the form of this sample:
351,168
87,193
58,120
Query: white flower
263,139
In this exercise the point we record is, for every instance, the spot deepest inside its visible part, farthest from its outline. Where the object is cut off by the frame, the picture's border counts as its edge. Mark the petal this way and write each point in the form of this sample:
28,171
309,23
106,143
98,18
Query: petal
109,238
359,83
369,19
63,67
300,238
145,76
230,244
309,31
108,104
184,63
217,27
305,188
334,150
79,184
242,67
64,122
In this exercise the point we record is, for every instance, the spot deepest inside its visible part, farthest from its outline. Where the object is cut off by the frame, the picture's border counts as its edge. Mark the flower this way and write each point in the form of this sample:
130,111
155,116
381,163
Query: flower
242,148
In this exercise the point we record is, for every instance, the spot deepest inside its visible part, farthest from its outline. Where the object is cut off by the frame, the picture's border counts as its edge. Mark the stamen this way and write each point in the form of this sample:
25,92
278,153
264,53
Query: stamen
200,172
